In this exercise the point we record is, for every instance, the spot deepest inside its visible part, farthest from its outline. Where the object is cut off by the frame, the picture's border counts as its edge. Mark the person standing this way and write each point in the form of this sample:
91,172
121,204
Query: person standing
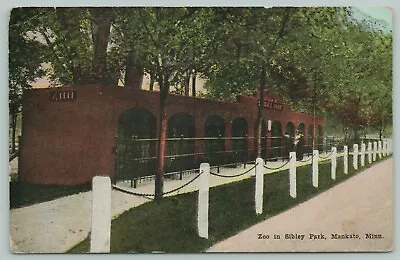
298,145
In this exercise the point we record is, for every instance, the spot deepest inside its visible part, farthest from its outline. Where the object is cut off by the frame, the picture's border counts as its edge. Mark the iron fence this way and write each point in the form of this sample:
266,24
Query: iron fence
136,158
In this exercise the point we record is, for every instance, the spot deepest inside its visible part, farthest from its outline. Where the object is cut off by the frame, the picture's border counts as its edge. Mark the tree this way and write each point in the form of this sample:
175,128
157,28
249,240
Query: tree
25,56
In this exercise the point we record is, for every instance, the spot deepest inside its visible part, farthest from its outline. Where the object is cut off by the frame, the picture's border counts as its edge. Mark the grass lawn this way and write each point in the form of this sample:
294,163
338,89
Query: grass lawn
25,194
170,226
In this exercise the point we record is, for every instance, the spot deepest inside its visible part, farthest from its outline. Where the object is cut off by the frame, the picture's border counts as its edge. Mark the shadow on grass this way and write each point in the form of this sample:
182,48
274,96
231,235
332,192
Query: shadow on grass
170,225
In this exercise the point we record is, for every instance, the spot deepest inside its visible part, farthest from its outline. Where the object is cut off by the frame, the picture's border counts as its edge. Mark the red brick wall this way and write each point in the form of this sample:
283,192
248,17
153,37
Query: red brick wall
70,142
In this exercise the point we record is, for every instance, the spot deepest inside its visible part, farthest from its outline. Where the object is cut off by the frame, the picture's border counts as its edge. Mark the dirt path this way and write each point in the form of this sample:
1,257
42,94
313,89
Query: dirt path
359,206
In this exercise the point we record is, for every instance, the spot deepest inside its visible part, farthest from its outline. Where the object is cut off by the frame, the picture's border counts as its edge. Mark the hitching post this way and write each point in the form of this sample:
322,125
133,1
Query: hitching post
380,149
362,154
315,168
345,159
292,175
375,151
202,213
101,215
369,152
333,163
259,186
355,156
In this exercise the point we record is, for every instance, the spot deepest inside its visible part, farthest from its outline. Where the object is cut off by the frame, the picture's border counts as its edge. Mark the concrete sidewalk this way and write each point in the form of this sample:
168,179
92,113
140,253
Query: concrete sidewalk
361,206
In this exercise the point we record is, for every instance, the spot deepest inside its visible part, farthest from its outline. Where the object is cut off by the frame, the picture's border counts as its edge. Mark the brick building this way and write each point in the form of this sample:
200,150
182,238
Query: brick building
71,133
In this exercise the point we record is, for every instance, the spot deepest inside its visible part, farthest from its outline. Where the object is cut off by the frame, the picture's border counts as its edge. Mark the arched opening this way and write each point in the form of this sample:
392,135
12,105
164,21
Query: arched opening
288,142
263,139
310,135
239,140
214,144
276,139
290,129
136,144
320,139
180,145
302,128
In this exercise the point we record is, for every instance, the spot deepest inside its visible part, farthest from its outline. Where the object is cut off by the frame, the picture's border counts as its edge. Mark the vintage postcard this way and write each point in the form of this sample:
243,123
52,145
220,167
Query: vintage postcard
200,129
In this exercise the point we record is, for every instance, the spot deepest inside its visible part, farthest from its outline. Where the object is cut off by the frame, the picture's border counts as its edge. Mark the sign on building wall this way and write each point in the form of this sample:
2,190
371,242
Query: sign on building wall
272,103
62,95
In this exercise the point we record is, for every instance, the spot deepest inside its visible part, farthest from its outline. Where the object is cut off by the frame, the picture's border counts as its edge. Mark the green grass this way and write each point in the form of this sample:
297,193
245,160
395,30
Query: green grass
25,194
170,225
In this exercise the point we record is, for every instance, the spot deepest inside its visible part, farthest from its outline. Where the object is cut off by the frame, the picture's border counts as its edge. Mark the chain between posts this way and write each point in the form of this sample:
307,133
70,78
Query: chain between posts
326,157
307,160
236,175
147,195
277,168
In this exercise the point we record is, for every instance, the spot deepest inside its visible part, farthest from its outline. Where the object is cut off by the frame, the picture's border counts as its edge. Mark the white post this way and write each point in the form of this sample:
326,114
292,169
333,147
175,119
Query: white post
101,215
375,151
333,163
315,168
380,149
203,200
389,146
384,150
259,186
202,213
292,175
362,154
355,156
346,159
369,152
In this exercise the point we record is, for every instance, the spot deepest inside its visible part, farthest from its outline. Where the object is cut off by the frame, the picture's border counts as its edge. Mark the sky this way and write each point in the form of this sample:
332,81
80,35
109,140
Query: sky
382,13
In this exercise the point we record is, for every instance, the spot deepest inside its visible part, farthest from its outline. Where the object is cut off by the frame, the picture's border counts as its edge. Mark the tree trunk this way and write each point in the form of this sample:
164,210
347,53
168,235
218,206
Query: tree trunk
101,24
194,83
260,109
152,80
134,74
162,136
187,82
13,132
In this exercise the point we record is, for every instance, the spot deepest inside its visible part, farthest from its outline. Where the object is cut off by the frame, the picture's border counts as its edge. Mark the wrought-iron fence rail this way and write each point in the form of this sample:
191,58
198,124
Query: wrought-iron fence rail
136,160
